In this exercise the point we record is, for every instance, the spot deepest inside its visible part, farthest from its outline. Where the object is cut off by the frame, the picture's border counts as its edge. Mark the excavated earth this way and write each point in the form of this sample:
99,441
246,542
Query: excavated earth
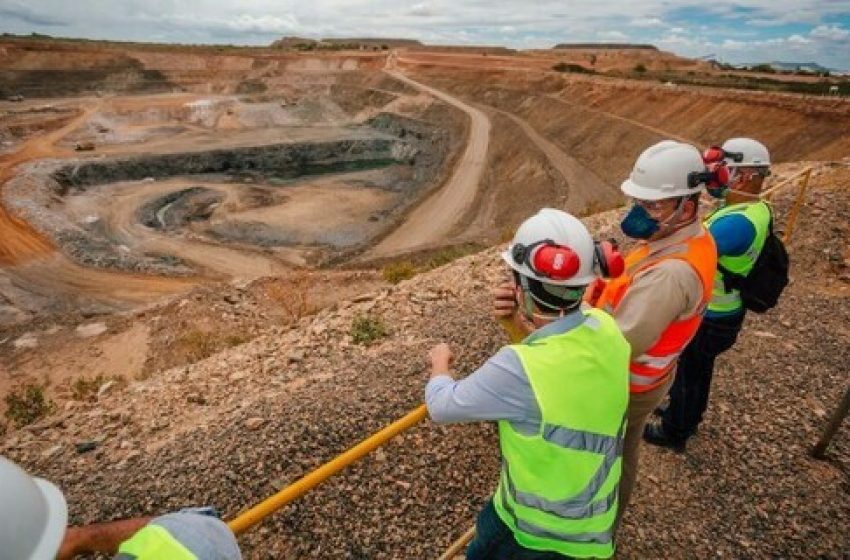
239,425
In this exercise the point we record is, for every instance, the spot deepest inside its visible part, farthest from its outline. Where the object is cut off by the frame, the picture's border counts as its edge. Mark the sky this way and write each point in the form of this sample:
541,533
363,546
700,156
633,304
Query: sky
735,32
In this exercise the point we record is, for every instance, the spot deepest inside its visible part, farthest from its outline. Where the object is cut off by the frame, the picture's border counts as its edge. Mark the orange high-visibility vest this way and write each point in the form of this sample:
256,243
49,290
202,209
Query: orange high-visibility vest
650,370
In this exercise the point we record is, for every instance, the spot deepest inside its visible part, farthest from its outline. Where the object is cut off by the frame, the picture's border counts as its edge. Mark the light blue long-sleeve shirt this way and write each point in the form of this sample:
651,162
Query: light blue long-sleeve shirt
498,390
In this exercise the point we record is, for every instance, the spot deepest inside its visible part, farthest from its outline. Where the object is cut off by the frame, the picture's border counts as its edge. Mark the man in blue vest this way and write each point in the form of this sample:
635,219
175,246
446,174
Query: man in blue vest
33,526
739,228
559,398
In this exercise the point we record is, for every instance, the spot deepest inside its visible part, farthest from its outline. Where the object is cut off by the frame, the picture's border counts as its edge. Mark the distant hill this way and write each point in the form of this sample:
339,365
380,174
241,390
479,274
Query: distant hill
812,67
337,43
612,46
370,41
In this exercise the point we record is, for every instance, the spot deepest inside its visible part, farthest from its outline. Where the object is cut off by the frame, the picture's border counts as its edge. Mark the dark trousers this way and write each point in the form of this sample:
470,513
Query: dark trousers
689,393
495,541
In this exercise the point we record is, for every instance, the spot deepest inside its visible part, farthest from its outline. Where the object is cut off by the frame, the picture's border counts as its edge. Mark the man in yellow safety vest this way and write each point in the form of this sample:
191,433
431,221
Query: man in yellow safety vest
559,398
33,517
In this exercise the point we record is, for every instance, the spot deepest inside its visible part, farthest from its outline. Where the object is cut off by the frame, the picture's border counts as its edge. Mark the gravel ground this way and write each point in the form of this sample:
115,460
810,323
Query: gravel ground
231,429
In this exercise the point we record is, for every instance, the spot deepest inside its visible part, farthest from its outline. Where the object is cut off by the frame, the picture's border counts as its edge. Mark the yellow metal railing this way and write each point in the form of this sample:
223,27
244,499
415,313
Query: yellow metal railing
248,519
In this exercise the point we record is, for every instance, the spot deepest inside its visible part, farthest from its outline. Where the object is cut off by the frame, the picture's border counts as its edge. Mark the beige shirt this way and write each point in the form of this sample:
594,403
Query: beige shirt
660,295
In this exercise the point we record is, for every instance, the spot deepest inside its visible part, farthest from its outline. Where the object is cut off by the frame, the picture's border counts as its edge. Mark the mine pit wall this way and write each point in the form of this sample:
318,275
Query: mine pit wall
285,161
569,111
56,68
36,195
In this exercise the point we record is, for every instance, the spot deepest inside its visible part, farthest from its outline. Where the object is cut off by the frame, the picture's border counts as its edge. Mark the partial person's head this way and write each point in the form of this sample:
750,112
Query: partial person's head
748,162
553,259
664,186
33,515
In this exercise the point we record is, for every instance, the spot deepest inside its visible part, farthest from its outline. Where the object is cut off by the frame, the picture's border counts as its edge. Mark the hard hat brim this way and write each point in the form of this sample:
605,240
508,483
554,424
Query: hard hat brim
632,189
57,521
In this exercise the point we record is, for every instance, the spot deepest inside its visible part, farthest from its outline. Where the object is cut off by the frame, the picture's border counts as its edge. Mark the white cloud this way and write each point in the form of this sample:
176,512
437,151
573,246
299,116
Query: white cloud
830,33
647,22
733,45
422,9
612,36
799,40
262,24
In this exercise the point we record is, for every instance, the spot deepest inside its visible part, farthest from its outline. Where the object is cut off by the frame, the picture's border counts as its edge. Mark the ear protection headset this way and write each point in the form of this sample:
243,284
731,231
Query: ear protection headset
549,260
608,258
716,154
716,178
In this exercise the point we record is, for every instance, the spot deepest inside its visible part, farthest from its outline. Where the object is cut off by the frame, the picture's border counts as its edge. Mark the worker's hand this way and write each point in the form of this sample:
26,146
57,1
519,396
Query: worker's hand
504,300
441,359
71,546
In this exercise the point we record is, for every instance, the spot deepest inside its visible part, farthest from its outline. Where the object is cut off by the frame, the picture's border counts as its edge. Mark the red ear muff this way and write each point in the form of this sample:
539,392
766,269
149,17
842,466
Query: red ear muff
719,175
712,154
715,177
716,154
718,178
609,259
554,261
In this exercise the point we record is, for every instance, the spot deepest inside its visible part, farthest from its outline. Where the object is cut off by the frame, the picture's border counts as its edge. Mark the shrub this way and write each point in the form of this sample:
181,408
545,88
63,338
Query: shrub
27,404
84,389
293,295
640,68
365,330
196,345
397,271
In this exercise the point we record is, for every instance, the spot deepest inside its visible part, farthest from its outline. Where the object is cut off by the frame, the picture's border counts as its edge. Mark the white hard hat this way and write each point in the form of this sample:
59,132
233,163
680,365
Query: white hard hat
571,249
665,170
746,152
33,515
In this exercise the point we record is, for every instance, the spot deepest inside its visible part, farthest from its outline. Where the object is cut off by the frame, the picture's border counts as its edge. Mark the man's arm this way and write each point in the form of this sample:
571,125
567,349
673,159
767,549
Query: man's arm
99,537
657,297
498,390
733,235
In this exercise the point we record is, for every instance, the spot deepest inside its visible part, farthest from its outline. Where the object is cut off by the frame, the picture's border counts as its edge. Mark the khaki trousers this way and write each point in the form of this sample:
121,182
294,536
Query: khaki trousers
641,406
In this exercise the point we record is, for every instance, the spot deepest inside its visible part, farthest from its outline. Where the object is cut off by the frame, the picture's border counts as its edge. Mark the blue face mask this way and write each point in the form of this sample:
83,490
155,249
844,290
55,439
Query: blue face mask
638,224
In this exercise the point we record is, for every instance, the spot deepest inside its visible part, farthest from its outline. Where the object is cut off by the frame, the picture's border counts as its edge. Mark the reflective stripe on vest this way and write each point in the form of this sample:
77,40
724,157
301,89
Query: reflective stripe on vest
558,487
758,213
651,369
580,506
154,542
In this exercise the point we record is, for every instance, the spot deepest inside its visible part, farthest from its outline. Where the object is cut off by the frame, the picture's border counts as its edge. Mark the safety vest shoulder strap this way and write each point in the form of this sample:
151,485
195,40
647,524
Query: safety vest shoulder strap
153,542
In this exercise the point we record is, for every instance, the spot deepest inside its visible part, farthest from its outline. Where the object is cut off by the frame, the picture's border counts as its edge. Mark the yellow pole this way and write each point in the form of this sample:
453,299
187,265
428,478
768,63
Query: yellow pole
768,194
458,545
249,518
789,226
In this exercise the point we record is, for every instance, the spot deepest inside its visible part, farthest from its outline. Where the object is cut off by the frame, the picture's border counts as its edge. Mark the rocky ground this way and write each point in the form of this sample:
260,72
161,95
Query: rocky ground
235,427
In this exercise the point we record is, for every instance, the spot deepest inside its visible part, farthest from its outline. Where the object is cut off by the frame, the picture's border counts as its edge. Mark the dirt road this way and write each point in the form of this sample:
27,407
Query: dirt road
18,240
585,187
433,220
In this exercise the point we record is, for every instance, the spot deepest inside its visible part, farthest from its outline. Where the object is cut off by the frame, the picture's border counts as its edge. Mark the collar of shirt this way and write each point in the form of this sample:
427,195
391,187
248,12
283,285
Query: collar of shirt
691,230
566,323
